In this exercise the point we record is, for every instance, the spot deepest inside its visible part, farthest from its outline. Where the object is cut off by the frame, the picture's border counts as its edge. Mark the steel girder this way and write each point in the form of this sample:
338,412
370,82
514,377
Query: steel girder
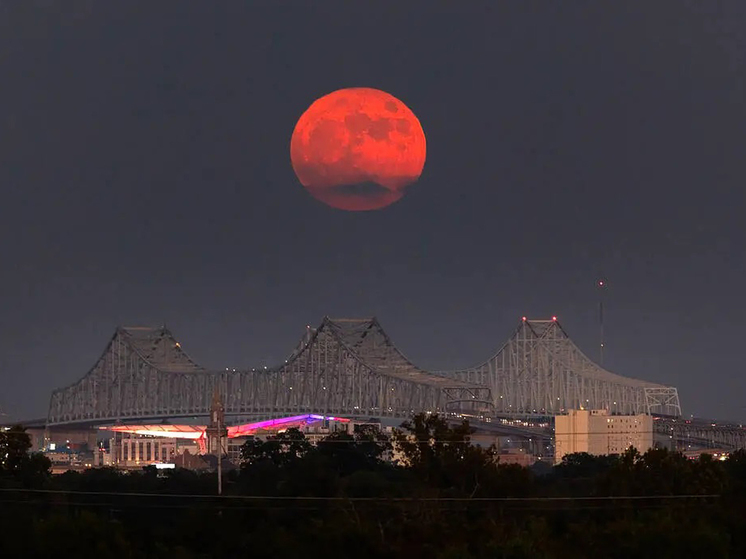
344,367
699,434
351,367
540,371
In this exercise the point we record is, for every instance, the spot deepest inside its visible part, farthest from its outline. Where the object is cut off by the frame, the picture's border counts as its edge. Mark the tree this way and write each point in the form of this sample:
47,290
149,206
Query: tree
443,456
14,446
584,465
427,439
16,461
348,453
281,450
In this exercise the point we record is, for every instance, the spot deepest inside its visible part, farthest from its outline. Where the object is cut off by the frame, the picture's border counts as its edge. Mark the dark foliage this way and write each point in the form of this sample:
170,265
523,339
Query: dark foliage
17,466
344,497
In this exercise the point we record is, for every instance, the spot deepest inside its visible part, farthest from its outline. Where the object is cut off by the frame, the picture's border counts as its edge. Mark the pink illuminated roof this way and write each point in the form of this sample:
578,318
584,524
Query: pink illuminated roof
198,431
279,424
165,430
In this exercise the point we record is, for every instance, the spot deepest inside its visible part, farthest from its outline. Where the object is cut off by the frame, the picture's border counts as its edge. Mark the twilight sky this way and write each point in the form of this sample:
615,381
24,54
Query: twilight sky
145,178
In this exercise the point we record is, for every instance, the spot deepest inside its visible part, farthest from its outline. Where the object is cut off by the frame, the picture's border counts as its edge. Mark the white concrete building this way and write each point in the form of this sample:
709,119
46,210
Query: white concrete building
597,432
141,450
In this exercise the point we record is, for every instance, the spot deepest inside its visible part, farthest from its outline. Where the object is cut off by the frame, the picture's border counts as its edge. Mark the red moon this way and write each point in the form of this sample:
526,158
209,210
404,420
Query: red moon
357,149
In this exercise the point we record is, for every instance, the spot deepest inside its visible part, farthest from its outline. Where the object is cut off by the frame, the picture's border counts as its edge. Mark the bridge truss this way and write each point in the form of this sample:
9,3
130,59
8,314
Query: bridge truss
701,434
343,367
351,367
540,371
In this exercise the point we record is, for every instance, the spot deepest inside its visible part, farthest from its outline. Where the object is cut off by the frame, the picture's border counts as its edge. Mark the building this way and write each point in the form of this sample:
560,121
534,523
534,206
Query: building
134,445
597,432
129,450
517,456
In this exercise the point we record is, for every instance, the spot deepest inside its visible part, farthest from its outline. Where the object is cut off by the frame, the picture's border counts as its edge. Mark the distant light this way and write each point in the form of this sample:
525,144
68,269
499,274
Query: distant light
601,283
524,319
554,318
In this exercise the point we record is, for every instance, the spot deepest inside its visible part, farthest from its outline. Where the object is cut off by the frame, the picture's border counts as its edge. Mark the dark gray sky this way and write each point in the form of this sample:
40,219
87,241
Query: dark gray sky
145,178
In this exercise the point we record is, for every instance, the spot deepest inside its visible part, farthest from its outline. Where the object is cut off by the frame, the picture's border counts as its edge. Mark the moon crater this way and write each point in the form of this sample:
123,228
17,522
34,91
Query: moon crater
357,149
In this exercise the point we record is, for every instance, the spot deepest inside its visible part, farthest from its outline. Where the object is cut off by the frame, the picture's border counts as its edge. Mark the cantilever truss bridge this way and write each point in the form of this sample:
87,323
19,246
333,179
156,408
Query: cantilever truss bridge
351,368
344,367
540,371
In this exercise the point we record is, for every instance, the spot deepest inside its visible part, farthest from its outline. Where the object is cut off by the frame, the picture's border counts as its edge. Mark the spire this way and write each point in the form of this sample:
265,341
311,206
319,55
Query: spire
217,410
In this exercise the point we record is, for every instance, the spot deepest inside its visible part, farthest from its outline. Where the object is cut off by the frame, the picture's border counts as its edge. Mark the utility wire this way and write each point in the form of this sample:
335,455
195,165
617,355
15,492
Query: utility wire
361,499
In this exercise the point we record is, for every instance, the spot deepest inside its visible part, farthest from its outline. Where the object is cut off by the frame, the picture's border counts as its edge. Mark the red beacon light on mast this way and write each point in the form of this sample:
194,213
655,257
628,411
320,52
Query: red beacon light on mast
523,318
554,318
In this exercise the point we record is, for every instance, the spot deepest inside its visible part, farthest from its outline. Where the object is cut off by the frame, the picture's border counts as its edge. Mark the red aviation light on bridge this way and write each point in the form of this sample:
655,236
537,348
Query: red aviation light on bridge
524,319
554,318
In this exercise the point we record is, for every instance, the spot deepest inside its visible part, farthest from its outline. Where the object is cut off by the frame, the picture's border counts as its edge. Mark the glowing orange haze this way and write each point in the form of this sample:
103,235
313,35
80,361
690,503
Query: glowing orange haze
357,148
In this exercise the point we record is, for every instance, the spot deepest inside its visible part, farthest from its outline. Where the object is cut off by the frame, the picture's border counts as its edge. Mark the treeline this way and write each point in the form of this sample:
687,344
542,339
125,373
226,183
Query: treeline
344,498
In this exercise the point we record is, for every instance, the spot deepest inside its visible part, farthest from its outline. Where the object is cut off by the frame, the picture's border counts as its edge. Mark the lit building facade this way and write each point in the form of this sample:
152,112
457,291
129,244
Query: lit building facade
596,432
141,450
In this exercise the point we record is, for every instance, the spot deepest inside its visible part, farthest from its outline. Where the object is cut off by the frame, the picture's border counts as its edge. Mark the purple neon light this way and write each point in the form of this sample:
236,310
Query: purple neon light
328,418
238,430
278,421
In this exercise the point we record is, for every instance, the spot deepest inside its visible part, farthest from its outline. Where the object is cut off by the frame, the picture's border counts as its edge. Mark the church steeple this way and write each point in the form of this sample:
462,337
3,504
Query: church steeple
217,430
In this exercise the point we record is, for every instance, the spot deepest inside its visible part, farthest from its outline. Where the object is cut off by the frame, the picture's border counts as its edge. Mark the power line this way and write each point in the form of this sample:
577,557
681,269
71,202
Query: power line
361,499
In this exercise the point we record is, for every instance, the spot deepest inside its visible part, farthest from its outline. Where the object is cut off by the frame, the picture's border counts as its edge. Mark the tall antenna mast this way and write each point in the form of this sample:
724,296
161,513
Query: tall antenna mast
601,288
